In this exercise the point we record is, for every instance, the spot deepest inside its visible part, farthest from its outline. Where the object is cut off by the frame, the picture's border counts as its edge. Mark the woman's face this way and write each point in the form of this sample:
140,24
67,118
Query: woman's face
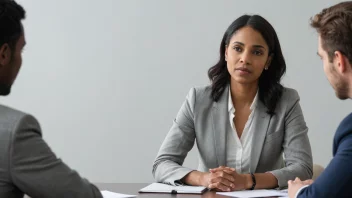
247,56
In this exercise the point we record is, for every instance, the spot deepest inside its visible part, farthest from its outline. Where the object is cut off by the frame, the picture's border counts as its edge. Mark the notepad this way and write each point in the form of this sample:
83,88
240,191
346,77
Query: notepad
164,188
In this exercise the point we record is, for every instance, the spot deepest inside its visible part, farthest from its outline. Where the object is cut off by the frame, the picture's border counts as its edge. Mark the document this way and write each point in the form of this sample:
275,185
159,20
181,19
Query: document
108,194
255,193
164,188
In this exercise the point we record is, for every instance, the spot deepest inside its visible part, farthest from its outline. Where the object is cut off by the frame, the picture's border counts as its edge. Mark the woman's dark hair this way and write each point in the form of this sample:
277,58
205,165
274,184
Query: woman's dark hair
11,15
270,89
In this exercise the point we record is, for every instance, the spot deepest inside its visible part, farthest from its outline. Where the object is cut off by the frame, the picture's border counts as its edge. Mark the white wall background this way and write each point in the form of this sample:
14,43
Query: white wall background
106,78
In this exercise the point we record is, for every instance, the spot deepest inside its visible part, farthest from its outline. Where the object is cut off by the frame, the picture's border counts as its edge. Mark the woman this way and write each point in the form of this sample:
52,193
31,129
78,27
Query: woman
243,123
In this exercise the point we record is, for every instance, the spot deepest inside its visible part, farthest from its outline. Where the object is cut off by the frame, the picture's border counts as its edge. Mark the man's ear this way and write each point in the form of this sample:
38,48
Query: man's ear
340,61
5,54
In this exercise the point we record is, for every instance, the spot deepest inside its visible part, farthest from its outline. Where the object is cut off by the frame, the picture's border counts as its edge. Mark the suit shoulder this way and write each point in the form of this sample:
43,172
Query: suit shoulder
201,91
200,97
11,118
345,127
288,98
8,114
290,94
347,121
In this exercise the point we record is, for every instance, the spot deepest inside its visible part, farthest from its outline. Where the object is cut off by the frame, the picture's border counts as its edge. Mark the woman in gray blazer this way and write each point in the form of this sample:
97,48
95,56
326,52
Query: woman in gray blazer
249,129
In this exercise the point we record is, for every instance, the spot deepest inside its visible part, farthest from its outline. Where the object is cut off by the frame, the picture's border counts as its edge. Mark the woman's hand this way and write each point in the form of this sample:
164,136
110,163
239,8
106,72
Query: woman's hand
221,179
238,182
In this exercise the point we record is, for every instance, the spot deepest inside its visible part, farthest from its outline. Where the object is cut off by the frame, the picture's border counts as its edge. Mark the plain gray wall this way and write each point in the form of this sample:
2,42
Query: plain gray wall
106,78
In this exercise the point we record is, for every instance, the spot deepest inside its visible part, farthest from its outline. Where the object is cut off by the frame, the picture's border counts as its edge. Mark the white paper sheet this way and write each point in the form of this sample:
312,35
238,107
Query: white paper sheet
108,194
255,193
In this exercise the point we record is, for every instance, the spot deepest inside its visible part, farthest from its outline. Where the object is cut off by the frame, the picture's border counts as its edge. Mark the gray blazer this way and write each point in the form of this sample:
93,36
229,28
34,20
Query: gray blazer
206,121
28,166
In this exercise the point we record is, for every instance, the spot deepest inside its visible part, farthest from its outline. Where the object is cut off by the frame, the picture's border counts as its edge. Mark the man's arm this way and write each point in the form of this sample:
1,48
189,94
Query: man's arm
336,179
37,171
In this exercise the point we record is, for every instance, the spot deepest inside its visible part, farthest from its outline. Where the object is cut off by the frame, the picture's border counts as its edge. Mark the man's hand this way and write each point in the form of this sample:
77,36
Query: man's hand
294,186
308,182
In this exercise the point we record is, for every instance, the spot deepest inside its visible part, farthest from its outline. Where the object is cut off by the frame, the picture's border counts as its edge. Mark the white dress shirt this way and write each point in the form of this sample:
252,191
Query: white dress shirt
239,149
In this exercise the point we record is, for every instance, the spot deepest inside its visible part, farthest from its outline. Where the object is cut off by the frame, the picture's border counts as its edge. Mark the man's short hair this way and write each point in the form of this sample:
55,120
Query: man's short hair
334,25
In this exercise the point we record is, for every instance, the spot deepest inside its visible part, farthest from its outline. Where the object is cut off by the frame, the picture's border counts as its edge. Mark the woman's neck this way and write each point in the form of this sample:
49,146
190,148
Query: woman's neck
243,94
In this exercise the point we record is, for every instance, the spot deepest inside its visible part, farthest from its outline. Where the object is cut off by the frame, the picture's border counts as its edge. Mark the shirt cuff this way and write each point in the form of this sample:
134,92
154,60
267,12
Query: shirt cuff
299,190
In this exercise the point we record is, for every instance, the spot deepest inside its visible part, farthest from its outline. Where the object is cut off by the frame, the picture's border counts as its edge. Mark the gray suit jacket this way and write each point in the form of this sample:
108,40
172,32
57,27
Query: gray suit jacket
28,166
206,121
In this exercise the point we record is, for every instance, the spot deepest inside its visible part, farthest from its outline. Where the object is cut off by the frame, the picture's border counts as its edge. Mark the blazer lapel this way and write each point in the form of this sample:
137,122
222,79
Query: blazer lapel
220,126
261,122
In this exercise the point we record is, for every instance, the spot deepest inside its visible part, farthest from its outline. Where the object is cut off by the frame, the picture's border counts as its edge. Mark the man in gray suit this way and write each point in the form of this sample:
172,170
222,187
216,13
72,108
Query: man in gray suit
27,164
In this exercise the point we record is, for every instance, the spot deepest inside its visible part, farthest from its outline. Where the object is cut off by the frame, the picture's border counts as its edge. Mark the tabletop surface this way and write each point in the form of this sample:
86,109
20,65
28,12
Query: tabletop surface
133,188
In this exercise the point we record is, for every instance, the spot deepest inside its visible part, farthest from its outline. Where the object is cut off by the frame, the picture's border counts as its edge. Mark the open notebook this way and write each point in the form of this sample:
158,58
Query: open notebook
164,188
